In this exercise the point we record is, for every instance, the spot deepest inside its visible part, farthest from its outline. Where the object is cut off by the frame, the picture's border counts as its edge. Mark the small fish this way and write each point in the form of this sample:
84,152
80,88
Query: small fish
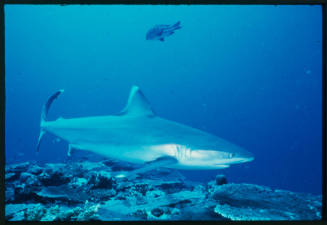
160,32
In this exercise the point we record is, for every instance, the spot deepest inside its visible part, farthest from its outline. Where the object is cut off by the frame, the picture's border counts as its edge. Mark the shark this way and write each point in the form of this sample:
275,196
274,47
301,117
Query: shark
138,135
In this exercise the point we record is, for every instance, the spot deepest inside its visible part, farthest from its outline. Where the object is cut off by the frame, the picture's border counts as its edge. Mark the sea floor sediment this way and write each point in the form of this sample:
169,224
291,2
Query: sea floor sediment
79,191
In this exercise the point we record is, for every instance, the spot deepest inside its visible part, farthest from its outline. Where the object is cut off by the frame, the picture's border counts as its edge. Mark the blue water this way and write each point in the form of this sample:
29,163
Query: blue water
249,74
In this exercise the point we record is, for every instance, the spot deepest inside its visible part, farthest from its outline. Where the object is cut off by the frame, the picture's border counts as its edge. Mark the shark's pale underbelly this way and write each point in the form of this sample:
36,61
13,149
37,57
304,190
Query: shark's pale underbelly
128,153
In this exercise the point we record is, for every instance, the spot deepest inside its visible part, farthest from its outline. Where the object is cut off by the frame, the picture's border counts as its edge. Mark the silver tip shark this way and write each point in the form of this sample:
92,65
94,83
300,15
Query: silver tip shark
138,135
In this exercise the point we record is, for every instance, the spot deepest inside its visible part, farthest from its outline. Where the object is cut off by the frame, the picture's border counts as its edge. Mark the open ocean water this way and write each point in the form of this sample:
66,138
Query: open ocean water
248,74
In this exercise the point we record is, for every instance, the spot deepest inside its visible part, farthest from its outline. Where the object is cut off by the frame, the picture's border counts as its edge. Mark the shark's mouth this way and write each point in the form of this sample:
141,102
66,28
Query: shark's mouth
235,161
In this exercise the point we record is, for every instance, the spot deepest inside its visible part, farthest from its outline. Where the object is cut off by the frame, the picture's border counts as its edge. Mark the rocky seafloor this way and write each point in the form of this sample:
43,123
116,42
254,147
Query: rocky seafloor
79,191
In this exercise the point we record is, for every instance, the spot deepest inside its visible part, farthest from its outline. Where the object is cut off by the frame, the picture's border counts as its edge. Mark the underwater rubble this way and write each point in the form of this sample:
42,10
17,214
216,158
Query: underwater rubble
80,191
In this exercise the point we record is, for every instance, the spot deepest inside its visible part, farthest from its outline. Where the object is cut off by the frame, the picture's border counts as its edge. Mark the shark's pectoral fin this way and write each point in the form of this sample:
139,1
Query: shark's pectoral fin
151,165
162,161
137,104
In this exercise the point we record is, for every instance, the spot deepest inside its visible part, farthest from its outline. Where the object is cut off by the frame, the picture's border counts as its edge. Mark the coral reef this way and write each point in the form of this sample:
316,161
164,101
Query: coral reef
254,202
85,190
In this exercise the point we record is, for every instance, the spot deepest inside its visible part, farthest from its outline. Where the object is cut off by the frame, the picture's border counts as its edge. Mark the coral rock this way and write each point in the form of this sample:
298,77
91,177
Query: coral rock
157,212
220,180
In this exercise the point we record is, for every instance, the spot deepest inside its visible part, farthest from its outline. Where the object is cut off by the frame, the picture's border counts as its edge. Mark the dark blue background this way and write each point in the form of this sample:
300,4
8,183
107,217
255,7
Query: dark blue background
249,74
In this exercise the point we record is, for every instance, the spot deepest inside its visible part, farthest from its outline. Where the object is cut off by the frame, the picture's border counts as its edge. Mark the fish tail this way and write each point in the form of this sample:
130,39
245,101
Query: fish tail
177,25
44,114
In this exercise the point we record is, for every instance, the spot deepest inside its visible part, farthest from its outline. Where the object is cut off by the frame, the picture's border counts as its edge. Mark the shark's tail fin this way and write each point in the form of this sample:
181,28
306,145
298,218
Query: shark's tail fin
44,113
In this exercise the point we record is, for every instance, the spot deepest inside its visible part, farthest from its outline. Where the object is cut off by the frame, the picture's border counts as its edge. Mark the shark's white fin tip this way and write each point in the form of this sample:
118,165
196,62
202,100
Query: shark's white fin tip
61,90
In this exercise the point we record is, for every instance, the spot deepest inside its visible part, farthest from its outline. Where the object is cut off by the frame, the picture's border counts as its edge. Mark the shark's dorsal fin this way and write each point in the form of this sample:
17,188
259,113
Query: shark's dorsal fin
137,104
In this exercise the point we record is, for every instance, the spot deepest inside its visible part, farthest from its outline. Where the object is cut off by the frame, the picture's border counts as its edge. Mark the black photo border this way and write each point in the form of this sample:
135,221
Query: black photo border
163,2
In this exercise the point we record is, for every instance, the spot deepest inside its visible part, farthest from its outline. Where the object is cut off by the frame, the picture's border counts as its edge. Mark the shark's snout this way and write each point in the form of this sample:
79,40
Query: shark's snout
242,157
249,159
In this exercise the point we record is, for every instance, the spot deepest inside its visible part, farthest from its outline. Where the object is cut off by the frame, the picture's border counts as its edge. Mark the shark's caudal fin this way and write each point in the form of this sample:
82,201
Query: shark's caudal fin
44,113
137,104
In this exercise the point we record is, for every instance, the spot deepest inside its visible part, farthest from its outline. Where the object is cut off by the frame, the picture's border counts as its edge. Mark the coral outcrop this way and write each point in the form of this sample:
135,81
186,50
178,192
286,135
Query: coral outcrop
79,191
